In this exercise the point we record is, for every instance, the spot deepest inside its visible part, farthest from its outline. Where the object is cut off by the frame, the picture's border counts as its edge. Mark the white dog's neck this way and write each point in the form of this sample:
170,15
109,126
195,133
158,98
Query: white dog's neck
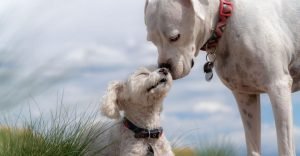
147,117
210,21
213,13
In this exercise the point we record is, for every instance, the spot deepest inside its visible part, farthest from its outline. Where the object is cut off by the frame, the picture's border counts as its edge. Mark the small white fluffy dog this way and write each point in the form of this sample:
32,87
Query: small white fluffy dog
138,133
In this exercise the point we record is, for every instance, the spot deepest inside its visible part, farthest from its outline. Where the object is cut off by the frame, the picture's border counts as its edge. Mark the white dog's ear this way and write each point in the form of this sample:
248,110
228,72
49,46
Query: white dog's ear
200,8
111,102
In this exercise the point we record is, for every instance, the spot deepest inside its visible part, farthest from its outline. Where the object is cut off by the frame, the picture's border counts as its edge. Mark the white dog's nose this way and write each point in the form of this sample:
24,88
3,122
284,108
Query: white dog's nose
165,65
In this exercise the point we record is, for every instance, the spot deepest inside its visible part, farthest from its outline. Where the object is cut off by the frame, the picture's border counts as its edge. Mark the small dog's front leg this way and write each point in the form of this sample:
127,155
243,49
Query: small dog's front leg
130,147
162,147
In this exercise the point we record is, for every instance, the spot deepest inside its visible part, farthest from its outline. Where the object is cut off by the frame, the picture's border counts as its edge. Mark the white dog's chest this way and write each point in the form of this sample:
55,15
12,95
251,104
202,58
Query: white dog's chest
239,77
253,53
245,73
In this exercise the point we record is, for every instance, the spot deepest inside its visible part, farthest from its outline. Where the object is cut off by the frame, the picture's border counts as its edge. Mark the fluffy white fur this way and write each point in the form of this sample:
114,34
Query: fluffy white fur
142,107
259,52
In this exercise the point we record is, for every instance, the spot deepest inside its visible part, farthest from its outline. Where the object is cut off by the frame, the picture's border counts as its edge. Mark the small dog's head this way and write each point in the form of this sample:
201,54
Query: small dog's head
144,87
178,29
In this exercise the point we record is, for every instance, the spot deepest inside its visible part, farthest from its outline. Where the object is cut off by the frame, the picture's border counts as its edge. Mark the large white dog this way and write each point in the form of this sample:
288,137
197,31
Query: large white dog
259,52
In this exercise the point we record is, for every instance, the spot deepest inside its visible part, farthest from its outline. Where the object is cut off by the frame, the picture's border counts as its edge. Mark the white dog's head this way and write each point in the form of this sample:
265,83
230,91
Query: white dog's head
178,30
144,87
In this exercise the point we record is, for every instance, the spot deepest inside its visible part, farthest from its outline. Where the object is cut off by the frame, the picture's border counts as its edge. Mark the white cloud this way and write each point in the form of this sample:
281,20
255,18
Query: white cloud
98,55
211,107
205,128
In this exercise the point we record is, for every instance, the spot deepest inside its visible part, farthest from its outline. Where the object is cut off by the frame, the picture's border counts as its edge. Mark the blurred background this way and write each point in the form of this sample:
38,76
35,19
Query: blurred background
67,51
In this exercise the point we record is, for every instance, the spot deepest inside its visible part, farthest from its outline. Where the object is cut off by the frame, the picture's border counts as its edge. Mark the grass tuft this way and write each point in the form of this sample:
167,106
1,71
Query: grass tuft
186,151
220,147
65,134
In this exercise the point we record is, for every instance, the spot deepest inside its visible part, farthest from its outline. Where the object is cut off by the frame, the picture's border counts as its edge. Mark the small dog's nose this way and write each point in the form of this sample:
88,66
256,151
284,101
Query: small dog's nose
163,71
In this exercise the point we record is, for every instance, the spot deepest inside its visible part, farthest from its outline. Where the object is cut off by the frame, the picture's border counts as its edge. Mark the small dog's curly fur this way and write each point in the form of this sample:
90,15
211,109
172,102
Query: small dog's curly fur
140,98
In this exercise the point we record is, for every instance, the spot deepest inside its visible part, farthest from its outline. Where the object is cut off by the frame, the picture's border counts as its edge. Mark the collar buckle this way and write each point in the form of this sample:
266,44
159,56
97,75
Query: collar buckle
142,132
226,8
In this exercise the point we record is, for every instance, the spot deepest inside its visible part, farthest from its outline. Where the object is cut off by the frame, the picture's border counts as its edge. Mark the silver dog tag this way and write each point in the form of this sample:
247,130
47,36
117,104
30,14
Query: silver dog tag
207,68
209,76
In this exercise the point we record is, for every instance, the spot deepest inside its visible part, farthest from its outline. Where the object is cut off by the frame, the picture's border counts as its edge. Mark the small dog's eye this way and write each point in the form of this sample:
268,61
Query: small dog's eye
144,74
174,38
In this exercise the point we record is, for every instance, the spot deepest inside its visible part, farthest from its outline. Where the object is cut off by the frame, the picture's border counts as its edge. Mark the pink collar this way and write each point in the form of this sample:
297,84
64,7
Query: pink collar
225,12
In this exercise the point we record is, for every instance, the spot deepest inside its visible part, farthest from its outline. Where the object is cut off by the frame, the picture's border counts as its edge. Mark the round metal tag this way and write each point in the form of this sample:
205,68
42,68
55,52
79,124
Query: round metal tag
209,76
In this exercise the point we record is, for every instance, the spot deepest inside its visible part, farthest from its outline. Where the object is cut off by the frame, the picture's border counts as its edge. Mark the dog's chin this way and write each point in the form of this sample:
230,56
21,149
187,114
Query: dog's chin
163,85
179,73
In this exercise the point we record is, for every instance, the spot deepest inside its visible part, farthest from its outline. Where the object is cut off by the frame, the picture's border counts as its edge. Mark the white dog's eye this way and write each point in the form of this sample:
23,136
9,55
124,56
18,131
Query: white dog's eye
174,38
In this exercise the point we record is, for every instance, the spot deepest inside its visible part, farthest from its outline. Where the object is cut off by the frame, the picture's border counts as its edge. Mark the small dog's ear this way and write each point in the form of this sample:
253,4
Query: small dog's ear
199,7
111,106
146,5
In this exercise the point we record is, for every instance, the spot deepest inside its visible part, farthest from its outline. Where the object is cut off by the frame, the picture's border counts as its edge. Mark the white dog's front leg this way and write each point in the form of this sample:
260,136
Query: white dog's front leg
249,107
280,96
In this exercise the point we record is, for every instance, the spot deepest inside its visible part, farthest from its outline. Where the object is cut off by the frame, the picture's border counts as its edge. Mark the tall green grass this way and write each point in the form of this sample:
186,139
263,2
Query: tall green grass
213,146
67,133
220,147
64,134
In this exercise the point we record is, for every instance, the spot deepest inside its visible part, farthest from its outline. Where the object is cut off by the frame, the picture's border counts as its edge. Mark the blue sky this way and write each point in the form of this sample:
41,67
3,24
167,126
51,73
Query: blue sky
76,47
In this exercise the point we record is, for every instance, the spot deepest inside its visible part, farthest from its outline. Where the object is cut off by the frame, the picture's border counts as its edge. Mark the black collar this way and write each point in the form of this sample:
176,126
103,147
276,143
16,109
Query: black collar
141,132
